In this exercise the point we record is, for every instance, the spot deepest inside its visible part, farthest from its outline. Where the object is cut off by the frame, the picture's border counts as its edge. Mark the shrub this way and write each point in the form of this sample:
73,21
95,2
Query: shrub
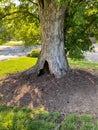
34,53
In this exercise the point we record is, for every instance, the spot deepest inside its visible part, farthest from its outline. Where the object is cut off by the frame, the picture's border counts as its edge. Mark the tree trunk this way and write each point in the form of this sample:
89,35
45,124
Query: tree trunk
52,58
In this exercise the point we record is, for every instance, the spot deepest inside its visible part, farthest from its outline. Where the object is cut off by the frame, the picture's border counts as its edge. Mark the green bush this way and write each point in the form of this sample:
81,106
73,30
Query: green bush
34,53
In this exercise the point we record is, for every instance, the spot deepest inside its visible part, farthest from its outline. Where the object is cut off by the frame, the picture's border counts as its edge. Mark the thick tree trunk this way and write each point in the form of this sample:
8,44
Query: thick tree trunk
52,57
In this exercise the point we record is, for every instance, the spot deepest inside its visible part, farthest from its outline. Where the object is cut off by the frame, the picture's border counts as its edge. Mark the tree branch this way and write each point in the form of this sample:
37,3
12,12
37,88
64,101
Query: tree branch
17,12
33,2
9,14
27,12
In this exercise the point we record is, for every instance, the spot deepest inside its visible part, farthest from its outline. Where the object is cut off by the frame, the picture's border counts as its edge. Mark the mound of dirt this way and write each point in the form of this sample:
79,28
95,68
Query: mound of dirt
76,92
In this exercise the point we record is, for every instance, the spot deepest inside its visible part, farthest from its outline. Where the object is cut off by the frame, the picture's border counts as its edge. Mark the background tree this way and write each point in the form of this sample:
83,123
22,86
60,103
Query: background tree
62,21
81,23
20,22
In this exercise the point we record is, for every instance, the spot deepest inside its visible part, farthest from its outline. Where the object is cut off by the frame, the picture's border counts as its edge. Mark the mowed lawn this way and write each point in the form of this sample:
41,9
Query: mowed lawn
23,63
83,64
16,65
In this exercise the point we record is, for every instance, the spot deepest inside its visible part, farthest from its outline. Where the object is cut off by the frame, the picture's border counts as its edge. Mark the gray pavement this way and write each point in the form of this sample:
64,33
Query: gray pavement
92,56
8,52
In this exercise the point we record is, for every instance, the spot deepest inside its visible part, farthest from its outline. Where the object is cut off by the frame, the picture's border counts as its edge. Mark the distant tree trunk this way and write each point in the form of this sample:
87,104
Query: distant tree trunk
52,58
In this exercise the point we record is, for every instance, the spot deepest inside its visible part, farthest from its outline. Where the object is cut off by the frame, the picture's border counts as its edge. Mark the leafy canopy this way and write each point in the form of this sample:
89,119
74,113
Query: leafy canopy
19,20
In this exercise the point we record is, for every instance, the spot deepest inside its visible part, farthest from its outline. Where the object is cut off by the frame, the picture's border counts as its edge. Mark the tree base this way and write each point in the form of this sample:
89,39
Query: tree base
42,68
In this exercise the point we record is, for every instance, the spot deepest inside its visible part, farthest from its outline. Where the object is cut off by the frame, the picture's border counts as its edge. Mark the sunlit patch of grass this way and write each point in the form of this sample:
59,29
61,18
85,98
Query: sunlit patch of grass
13,43
16,65
23,63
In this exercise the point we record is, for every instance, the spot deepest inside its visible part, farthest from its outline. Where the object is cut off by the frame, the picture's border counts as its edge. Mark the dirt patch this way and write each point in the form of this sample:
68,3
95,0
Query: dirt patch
76,92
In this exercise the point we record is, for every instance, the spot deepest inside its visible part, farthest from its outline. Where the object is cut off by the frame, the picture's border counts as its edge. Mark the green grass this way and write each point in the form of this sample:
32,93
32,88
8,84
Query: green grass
16,118
16,65
83,64
13,43
23,63
79,122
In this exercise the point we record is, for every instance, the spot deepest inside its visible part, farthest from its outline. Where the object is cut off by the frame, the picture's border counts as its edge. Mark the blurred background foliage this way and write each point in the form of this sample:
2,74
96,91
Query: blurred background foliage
19,20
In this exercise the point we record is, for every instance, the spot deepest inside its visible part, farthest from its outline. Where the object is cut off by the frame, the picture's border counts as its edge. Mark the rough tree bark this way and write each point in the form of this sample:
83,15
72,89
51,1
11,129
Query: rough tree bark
52,58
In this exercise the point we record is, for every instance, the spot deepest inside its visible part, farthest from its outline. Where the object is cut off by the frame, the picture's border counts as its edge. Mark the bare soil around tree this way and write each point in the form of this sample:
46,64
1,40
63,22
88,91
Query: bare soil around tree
77,92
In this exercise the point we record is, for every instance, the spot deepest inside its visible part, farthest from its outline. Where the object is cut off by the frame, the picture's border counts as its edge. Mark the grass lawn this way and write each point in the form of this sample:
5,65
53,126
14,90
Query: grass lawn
13,43
23,63
16,118
83,64
16,65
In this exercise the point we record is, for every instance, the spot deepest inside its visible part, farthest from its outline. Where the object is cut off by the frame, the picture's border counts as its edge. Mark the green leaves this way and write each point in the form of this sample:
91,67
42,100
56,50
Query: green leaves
61,2
21,22
80,21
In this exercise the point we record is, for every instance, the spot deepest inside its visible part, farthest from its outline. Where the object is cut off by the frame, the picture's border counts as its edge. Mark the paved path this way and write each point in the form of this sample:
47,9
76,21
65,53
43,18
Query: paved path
8,52
92,56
